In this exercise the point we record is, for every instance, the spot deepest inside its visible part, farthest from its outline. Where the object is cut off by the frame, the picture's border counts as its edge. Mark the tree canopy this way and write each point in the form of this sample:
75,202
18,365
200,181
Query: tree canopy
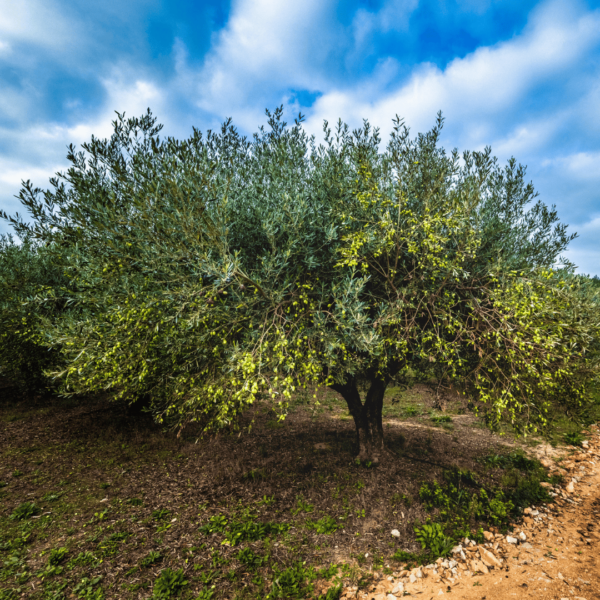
209,274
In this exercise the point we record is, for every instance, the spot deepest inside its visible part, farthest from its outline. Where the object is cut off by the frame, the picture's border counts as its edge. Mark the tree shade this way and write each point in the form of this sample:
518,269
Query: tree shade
208,274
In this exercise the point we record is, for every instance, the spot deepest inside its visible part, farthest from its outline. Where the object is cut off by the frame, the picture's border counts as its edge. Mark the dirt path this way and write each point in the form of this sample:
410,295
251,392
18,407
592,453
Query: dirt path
559,557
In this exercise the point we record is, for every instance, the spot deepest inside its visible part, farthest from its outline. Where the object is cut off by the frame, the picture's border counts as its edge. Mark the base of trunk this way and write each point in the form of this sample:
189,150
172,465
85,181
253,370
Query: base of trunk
367,418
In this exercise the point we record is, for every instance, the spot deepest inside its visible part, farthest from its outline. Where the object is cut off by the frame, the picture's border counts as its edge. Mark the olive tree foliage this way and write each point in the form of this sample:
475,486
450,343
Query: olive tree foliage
210,273
26,272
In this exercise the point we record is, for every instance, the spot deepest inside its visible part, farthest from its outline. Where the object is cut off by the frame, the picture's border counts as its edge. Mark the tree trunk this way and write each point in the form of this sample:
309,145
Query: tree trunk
367,417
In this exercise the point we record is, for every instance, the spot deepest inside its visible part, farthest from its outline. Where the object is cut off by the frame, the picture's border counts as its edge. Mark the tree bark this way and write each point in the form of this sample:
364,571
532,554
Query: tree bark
367,417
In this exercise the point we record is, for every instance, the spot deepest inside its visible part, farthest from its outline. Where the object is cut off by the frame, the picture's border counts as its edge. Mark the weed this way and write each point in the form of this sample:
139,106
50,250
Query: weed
151,558
84,559
439,419
573,439
524,491
251,560
410,411
432,538
168,584
206,594
17,473
401,499
3,484
293,582
302,506
109,544
162,528
57,556
411,558
459,477
52,496
237,531
25,510
266,501
99,516
49,571
85,589
516,460
161,514
53,590
135,502
325,525
104,485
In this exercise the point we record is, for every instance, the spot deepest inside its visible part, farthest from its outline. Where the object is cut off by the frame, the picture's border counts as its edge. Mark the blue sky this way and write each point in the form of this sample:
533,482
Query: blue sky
521,76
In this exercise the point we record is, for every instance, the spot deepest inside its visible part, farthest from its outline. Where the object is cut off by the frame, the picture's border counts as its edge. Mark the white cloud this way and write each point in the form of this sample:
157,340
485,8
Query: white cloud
587,260
36,22
479,87
393,16
582,166
266,45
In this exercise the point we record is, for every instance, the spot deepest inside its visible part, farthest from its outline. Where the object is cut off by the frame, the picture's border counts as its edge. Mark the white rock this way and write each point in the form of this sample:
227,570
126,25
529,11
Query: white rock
511,540
570,487
457,549
390,597
412,578
522,537
398,589
395,533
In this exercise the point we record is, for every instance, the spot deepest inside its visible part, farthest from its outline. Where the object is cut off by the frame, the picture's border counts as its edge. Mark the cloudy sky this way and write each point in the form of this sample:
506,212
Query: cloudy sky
520,75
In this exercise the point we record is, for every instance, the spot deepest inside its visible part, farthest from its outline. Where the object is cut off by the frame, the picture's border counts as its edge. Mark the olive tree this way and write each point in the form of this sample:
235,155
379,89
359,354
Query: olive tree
209,274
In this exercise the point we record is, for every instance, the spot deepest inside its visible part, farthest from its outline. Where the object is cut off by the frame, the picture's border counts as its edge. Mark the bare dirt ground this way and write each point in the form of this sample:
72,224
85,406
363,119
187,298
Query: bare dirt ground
559,559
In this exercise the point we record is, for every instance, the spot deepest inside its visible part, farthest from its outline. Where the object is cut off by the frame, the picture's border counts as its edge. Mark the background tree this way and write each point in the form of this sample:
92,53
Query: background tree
209,274
28,272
